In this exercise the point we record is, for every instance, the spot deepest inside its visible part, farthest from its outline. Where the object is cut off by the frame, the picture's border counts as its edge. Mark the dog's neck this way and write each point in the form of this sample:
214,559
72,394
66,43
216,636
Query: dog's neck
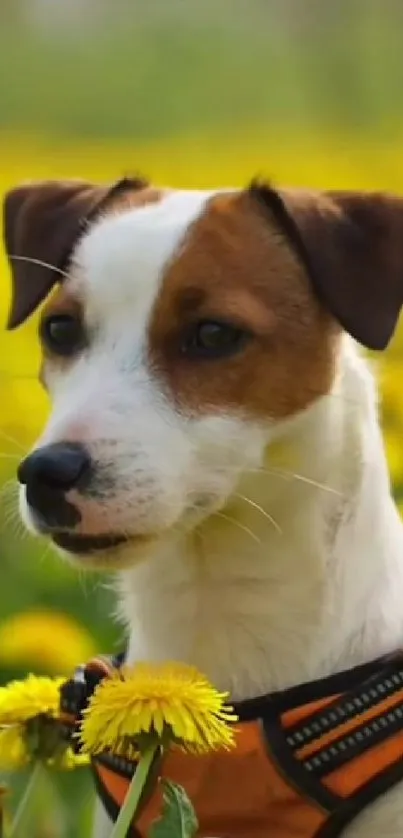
300,575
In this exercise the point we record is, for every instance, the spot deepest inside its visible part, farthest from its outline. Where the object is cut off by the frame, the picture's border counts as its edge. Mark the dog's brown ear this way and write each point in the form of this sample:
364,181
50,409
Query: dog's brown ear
42,222
352,246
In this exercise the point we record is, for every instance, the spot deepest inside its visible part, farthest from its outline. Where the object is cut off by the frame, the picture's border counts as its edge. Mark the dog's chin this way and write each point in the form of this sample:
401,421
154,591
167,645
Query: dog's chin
104,552
115,550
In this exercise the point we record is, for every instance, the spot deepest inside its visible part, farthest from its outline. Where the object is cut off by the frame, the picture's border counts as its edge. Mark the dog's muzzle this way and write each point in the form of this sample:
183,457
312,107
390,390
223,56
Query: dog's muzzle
48,474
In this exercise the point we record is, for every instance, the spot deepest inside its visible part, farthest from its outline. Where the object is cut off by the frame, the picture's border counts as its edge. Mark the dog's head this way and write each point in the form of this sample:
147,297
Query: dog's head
181,329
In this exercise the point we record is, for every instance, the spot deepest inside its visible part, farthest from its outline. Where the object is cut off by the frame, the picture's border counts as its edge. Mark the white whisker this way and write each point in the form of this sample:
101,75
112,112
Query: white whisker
263,512
13,441
9,491
291,475
39,262
45,552
237,524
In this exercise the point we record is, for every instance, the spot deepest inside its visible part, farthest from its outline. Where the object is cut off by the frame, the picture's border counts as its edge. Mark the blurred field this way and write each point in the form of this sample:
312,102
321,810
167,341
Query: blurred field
62,616
191,95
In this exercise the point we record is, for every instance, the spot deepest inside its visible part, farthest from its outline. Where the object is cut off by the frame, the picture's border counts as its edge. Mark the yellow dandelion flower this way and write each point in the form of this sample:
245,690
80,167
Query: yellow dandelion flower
171,702
30,726
32,639
23,700
13,751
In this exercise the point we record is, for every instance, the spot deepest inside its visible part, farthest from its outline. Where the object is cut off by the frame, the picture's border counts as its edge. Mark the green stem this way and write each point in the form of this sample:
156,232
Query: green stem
135,792
24,806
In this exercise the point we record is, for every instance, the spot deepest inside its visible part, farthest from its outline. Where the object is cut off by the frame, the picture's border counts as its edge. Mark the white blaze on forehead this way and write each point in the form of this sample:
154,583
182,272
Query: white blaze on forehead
119,263
118,266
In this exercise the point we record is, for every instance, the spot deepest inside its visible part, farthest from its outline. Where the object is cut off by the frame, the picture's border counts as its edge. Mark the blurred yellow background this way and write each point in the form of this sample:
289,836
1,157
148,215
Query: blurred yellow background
191,94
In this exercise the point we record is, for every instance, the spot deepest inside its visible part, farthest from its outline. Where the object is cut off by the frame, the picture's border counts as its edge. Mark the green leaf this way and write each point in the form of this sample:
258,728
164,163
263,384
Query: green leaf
178,819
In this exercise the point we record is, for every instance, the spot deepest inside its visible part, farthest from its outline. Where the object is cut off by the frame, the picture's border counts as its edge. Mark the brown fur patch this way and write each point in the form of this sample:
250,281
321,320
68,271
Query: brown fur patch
63,301
236,266
42,223
131,198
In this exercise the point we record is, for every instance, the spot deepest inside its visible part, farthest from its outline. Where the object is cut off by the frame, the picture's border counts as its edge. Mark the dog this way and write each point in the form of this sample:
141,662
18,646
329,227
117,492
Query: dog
214,438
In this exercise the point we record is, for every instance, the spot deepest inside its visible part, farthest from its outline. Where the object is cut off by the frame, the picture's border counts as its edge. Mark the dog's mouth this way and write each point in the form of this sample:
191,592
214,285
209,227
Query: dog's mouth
86,544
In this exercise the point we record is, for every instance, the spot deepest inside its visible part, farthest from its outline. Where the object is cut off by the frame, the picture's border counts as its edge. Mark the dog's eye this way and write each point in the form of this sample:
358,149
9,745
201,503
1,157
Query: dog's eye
212,339
62,334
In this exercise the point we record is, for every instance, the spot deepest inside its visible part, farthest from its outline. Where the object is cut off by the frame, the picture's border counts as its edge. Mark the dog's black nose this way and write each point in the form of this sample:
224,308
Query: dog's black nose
60,466
48,474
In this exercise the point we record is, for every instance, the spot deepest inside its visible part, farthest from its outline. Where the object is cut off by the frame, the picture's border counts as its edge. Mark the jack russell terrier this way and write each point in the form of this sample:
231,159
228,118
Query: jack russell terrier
215,440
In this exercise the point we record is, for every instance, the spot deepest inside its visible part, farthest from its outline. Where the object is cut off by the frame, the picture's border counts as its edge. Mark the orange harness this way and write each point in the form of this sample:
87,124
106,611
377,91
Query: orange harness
307,760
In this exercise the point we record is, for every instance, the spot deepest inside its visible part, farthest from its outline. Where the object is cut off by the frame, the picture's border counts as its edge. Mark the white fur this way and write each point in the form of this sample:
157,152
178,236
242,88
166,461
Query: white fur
261,578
